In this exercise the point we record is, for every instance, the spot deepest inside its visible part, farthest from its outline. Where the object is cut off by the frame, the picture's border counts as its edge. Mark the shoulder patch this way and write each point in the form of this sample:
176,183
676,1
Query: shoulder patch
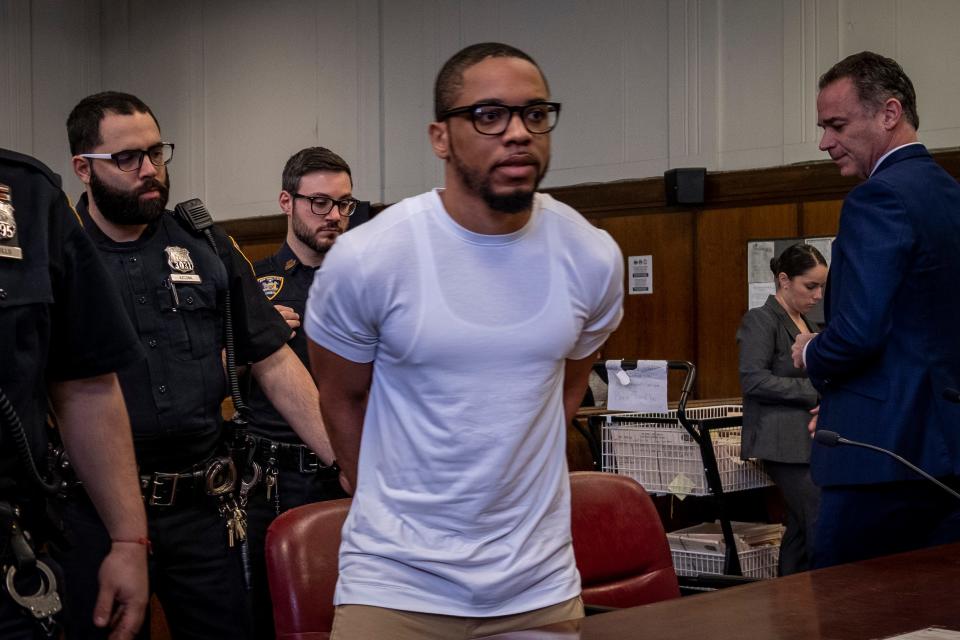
270,285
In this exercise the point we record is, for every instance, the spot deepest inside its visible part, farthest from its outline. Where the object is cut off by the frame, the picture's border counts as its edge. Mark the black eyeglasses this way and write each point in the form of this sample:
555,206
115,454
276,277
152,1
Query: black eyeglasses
493,119
323,205
132,159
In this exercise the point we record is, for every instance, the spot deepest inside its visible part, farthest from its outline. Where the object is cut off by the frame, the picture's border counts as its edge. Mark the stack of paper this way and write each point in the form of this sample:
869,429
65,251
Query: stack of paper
708,537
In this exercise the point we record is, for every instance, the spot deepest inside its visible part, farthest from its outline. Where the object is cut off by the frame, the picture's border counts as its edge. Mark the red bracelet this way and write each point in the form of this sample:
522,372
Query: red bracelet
143,540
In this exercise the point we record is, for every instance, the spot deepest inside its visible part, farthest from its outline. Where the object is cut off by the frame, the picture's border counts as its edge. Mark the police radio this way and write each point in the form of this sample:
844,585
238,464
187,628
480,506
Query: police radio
195,216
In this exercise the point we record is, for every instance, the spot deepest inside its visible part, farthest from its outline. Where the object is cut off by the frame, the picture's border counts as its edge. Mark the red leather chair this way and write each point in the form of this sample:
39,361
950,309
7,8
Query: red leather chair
619,542
302,550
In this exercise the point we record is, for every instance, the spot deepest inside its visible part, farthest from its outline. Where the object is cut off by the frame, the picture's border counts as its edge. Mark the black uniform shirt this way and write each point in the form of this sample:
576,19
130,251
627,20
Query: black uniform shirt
60,315
174,395
283,280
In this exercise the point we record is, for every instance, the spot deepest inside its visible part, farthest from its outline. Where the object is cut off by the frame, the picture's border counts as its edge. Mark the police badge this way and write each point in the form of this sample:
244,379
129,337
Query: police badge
9,247
271,285
181,265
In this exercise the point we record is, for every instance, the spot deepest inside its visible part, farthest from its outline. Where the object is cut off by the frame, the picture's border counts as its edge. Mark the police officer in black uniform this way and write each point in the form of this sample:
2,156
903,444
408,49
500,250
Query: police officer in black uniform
317,200
175,288
62,335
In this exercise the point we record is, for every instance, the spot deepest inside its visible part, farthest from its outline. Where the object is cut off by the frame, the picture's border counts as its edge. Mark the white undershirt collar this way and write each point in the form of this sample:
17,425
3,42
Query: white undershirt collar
884,156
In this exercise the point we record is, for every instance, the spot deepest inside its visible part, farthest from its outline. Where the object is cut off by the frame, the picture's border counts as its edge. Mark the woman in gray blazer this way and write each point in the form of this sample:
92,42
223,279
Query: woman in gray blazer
778,397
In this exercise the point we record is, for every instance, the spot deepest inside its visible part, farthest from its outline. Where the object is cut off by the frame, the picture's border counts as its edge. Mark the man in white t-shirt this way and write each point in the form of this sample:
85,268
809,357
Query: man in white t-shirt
451,339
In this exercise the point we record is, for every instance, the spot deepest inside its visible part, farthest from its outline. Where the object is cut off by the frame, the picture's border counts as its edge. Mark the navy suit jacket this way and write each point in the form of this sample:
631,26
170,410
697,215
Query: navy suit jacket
892,342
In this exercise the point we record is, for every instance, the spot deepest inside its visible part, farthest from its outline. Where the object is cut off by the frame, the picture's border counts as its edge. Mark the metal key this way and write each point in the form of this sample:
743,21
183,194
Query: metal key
226,510
239,524
231,526
271,471
270,481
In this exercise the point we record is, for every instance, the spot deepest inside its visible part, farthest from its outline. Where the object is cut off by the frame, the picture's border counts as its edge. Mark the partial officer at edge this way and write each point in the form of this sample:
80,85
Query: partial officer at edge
63,335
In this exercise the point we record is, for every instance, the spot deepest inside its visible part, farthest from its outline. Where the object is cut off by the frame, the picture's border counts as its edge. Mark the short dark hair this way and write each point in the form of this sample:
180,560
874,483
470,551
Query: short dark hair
796,259
83,123
876,78
450,79
309,160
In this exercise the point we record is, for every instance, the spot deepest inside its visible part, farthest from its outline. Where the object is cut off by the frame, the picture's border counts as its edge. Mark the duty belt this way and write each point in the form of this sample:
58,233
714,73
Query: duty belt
216,477
288,457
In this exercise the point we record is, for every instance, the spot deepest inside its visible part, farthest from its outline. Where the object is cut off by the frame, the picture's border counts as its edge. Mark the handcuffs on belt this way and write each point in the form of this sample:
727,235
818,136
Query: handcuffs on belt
45,602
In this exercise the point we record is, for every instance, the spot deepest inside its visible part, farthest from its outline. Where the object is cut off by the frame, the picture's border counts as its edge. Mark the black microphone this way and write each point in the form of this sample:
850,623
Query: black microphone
832,439
952,395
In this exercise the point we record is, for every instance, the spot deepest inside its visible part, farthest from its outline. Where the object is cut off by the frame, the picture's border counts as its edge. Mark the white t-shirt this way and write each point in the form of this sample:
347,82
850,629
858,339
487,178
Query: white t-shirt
462,498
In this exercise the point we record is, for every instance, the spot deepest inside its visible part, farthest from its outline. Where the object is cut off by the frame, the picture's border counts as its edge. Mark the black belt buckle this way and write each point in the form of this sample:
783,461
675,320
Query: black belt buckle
163,489
308,461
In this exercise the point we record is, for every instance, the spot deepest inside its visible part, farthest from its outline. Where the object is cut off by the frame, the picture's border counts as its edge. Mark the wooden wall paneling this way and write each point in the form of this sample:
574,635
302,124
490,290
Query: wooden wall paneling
658,326
259,250
699,256
821,218
257,237
721,286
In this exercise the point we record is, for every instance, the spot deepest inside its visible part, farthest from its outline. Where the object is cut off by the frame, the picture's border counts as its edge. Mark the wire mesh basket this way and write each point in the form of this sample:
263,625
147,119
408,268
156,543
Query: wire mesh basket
656,451
756,562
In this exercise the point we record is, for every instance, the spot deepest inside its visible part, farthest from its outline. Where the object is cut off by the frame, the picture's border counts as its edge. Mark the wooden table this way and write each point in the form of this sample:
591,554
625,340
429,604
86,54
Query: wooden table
860,601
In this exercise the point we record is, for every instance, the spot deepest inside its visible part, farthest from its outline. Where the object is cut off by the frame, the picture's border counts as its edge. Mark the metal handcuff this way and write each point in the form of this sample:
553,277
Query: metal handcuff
220,476
44,603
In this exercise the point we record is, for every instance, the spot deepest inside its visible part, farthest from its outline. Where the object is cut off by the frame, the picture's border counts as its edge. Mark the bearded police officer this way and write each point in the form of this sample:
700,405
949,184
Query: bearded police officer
62,335
316,196
176,289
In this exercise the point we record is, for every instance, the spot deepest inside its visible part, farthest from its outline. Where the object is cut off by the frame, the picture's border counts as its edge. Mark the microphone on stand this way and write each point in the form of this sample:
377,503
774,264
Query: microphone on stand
832,439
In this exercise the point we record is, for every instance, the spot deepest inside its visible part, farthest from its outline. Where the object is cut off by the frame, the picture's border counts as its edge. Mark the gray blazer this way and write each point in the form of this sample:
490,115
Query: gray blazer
777,396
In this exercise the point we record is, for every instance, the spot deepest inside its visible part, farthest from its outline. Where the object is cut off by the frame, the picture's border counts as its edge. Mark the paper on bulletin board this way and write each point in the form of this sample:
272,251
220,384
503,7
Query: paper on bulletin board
758,292
640,270
643,389
823,245
759,255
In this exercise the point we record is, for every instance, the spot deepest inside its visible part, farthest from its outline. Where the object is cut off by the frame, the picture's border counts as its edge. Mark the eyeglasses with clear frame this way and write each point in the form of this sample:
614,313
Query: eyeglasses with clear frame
493,119
323,205
132,159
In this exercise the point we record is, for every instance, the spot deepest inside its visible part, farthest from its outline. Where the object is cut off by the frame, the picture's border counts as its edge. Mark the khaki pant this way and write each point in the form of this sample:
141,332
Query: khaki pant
362,622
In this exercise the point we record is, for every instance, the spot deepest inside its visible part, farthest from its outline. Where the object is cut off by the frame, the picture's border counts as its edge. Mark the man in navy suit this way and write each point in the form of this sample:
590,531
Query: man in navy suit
891,345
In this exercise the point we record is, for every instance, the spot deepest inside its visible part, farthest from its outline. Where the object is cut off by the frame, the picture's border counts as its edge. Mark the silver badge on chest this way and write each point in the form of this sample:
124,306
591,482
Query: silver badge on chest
9,246
181,265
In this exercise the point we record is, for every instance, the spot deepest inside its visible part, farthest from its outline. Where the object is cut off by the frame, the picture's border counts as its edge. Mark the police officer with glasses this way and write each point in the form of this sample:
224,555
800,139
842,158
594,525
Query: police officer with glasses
317,198
177,281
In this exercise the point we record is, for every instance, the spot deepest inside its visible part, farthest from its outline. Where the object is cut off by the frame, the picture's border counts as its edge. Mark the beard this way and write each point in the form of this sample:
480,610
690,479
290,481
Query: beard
125,207
309,237
516,201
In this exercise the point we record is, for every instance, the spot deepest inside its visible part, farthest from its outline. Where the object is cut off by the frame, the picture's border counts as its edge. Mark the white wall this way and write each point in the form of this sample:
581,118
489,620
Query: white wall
646,85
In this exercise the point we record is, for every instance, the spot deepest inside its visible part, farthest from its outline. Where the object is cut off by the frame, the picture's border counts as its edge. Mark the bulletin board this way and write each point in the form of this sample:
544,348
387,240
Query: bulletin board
760,282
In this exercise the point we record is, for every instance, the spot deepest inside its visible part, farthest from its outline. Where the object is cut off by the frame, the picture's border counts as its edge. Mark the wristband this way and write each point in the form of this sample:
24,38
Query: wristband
145,541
